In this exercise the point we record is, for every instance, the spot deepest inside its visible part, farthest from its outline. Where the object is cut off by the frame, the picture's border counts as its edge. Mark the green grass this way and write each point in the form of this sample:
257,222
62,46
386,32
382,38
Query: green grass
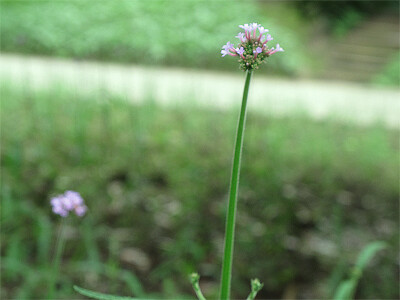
179,33
312,194
390,75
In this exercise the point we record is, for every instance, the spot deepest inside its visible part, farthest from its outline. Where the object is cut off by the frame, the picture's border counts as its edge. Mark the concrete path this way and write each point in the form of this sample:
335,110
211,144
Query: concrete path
351,102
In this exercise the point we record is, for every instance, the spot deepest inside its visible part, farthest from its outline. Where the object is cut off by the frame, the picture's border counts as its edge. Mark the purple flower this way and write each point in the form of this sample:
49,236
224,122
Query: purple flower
254,26
226,49
262,30
240,50
80,210
228,46
273,50
268,38
279,49
58,206
246,27
258,50
252,47
241,36
69,201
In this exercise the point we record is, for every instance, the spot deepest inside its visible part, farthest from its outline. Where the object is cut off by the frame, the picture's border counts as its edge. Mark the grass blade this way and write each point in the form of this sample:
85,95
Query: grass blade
100,296
346,289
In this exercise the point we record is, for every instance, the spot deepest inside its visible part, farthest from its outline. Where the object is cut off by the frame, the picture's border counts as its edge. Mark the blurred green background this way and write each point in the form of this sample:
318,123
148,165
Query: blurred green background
155,177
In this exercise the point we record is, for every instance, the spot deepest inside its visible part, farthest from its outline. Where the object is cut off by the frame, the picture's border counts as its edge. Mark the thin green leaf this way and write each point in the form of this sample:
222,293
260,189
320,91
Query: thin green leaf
345,290
368,253
100,296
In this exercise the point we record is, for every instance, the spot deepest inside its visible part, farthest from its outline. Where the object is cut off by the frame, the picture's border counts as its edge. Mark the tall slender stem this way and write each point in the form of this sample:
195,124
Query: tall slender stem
231,213
57,259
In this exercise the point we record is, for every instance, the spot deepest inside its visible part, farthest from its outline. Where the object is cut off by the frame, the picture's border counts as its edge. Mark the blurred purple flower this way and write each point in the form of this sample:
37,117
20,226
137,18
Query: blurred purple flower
69,201
58,206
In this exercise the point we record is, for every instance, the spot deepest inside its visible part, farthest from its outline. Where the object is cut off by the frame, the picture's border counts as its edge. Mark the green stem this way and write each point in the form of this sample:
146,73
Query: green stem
231,213
194,278
57,259
256,286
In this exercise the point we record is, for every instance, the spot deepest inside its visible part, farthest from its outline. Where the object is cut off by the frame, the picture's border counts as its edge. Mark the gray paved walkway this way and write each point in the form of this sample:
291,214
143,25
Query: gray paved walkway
319,99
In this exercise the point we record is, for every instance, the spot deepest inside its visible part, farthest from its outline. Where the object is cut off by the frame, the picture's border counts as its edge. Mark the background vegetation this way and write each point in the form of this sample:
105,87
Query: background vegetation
126,31
343,15
312,195
155,180
390,75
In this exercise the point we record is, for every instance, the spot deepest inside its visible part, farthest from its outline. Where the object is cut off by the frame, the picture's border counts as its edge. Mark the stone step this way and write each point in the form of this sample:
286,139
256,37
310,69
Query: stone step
391,19
371,50
356,68
364,52
356,57
386,40
377,25
347,75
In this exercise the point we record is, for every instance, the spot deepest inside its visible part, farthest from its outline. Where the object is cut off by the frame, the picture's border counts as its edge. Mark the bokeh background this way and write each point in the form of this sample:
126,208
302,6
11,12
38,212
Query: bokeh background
130,103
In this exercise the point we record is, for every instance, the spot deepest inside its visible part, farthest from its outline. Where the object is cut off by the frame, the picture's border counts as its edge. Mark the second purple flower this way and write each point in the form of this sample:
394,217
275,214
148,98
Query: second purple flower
69,201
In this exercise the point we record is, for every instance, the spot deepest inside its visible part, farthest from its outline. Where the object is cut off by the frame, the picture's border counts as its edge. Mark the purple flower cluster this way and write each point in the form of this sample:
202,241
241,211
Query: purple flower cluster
252,49
69,201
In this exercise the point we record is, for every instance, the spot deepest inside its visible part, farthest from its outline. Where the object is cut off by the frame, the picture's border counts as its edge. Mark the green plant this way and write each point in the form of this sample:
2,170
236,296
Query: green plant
348,21
347,288
158,32
252,51
56,138
390,75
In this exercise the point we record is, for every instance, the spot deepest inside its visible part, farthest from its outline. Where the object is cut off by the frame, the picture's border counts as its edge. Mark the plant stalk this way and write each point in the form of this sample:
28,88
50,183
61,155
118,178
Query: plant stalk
57,259
231,213
194,278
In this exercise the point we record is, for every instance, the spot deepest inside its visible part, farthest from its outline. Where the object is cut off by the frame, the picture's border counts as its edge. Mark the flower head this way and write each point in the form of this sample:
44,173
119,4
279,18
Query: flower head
58,206
69,201
252,49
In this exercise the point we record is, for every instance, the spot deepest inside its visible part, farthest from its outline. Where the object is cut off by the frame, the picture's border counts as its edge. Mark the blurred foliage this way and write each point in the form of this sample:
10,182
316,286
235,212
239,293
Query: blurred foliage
390,75
349,20
346,289
312,194
179,33
341,16
336,10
